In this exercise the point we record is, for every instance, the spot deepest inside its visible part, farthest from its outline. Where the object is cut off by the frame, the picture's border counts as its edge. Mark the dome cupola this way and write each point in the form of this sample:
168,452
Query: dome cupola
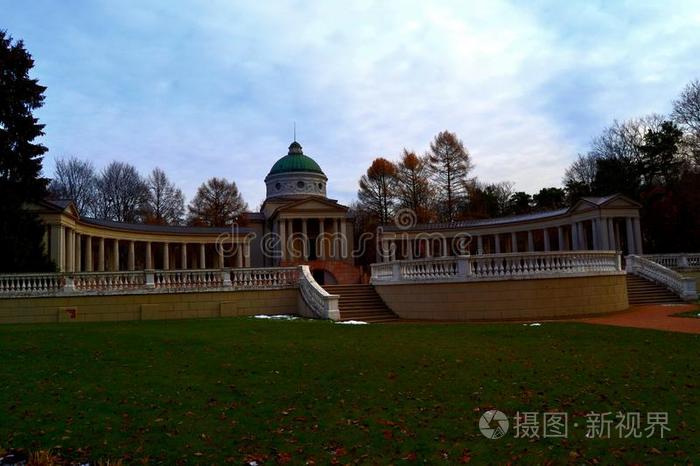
295,161
296,175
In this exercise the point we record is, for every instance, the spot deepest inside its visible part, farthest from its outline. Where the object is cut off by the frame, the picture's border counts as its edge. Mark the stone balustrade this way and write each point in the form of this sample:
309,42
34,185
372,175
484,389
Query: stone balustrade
188,279
273,277
322,304
685,287
498,267
31,283
104,281
676,261
87,283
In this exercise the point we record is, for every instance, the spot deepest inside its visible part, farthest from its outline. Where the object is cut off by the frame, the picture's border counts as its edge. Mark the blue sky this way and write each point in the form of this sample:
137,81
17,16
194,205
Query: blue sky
211,88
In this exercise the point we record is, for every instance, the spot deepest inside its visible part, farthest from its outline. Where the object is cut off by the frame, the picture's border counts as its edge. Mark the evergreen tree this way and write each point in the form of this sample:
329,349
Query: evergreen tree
549,199
21,232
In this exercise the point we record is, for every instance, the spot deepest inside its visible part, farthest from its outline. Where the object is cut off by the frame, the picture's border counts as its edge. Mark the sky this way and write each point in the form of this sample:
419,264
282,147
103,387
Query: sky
213,88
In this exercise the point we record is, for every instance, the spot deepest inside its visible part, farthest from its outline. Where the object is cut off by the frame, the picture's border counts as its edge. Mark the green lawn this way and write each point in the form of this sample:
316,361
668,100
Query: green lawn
236,390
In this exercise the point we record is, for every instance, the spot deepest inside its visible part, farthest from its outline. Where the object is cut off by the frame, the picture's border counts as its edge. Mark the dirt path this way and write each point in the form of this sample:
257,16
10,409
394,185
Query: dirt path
652,316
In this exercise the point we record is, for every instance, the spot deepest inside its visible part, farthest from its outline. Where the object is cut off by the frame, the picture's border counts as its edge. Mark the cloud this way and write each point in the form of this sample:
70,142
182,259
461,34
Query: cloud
211,88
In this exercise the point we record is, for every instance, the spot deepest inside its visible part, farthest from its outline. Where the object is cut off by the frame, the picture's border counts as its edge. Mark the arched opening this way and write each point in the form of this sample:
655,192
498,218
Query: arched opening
324,277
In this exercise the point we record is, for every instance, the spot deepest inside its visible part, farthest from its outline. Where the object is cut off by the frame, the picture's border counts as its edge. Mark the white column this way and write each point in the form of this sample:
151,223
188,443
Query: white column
393,246
283,238
513,242
429,247
246,254
409,248
101,255
479,245
582,239
321,243
305,240
221,257
115,255
530,241
337,241
88,254
239,255
131,261
612,243
58,250
183,256
78,253
202,256
149,256
604,236
344,246
444,247
497,241
630,236
70,250
547,246
637,235
560,238
574,237
595,234
166,256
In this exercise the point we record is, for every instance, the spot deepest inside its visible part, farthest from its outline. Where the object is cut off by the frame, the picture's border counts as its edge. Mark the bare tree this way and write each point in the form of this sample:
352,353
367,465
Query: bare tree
216,204
166,203
449,164
686,109
122,193
378,188
620,143
582,171
686,113
622,140
75,179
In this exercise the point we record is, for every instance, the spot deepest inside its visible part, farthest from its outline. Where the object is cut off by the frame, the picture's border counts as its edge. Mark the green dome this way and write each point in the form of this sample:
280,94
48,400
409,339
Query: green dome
295,161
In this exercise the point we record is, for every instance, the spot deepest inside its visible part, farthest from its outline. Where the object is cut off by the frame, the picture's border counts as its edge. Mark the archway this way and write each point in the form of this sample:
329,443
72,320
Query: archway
324,277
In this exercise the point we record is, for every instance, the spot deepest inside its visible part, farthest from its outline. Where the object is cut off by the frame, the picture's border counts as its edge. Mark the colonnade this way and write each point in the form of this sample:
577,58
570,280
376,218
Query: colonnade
603,233
73,251
329,235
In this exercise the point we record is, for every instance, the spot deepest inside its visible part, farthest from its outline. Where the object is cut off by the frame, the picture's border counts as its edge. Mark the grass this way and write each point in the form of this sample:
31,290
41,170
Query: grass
240,390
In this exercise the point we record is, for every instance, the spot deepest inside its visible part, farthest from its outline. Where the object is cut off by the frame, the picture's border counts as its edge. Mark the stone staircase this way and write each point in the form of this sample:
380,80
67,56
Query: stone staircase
361,302
643,291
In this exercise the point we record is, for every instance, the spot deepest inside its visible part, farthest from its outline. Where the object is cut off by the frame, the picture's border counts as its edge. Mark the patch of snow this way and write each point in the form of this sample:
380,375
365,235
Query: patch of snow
352,322
275,317
535,324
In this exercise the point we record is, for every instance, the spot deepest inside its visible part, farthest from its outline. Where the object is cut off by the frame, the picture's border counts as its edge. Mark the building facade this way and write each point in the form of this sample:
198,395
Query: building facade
298,224
609,223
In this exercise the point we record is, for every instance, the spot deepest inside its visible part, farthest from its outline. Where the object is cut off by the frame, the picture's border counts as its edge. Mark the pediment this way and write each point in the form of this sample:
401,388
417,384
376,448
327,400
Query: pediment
306,206
615,201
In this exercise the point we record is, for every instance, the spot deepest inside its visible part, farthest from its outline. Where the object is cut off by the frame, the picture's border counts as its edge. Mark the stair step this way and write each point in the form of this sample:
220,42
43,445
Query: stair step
361,302
643,291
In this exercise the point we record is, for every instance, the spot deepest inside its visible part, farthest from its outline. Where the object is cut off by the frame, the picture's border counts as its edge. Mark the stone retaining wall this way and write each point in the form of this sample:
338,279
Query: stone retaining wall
510,299
148,306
